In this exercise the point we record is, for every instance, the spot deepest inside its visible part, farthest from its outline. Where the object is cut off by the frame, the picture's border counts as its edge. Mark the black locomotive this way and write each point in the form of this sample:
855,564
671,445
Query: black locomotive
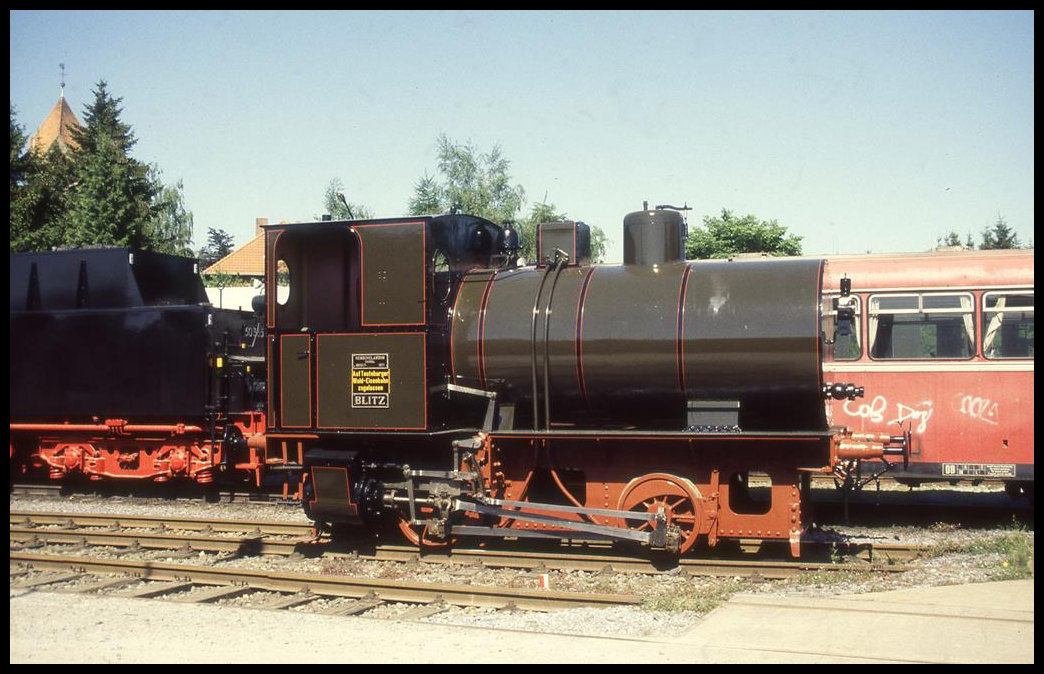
120,368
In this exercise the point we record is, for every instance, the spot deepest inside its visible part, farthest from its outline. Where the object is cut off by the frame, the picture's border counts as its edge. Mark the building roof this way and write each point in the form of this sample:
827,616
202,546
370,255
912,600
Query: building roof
247,260
56,128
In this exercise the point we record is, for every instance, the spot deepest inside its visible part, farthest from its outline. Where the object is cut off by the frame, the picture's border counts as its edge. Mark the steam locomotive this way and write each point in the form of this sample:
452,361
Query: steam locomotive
423,379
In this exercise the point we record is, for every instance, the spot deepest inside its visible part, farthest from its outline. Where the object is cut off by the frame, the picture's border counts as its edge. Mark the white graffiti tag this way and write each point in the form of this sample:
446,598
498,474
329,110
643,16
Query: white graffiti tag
921,413
876,411
872,411
977,407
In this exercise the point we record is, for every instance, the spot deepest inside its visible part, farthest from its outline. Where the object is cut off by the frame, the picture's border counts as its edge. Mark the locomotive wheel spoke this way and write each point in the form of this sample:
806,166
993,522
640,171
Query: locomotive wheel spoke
679,498
673,506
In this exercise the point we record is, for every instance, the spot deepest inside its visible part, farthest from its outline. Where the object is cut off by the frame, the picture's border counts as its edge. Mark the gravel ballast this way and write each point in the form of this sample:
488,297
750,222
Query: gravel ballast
674,603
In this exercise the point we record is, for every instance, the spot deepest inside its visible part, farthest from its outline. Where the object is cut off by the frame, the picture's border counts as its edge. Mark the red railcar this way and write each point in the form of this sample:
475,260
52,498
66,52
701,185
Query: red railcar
943,344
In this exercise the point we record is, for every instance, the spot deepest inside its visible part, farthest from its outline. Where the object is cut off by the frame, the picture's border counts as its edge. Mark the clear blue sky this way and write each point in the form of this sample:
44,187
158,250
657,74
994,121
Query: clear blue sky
856,130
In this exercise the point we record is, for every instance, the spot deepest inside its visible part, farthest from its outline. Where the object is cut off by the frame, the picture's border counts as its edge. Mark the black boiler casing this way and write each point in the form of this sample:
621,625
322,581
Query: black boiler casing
632,345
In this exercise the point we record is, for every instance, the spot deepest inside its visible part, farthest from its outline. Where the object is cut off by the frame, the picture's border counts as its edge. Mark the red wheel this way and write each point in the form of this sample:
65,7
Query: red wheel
418,534
679,498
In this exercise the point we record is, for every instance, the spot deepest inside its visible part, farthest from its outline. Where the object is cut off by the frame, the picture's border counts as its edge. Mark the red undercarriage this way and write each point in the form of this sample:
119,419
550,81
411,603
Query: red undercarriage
117,448
703,486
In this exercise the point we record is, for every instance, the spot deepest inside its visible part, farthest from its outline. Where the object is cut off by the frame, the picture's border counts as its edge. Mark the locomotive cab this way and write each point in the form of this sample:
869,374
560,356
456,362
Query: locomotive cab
355,337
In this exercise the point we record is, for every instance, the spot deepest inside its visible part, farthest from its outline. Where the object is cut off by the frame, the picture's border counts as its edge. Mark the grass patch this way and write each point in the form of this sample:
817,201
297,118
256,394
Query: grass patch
1009,553
832,577
697,598
1015,549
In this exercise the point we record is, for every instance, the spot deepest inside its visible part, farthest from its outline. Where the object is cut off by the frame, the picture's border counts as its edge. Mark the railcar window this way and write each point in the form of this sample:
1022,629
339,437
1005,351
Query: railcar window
849,347
921,326
1007,324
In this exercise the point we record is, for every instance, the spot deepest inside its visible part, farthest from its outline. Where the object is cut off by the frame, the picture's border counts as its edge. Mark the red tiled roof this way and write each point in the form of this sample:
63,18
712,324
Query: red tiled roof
248,260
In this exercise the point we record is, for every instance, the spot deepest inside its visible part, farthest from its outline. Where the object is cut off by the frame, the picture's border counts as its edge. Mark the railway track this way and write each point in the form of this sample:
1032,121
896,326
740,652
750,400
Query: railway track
67,552
256,527
30,529
209,583
165,491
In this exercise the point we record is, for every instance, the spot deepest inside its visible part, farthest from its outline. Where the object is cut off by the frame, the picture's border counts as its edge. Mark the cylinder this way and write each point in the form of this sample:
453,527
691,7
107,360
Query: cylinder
634,345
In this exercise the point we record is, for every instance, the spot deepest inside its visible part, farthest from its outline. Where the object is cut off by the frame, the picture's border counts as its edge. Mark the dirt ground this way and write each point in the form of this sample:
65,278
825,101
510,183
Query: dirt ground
65,628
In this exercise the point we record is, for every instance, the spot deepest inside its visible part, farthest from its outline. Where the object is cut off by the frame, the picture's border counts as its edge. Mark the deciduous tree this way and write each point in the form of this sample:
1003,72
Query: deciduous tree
338,206
729,235
40,194
170,230
469,181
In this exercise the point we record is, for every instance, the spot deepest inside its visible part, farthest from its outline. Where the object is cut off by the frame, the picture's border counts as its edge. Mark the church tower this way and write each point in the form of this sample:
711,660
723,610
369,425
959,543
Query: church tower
57,127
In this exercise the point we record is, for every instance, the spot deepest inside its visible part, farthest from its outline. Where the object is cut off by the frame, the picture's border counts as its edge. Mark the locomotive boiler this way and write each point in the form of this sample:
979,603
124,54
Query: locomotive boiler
422,378
651,343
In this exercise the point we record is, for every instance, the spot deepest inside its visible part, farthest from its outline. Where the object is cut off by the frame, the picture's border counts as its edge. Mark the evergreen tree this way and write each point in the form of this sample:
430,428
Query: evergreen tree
40,194
999,236
426,199
96,194
113,200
